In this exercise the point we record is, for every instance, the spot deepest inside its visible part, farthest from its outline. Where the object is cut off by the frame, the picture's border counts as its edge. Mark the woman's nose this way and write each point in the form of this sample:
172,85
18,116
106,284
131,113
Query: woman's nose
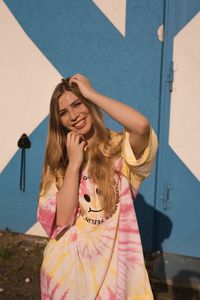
73,115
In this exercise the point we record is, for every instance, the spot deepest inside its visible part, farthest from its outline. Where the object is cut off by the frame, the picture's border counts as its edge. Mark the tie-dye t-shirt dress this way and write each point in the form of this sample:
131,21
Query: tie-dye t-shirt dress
93,257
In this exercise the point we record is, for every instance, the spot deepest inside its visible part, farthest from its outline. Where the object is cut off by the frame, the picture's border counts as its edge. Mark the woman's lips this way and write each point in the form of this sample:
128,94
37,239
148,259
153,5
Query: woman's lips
80,124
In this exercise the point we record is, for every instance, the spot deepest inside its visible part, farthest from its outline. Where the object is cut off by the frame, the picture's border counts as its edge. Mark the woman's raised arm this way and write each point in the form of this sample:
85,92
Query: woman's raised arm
133,121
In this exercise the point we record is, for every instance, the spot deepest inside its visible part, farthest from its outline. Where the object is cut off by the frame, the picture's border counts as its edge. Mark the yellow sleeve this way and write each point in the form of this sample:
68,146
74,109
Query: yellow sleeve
51,192
136,170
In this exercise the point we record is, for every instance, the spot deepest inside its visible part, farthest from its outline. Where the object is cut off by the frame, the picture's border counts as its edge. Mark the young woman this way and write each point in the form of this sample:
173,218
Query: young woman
91,175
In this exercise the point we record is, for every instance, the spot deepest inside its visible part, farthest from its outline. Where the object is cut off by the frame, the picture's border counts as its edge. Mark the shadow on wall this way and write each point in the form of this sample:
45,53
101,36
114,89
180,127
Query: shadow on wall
154,227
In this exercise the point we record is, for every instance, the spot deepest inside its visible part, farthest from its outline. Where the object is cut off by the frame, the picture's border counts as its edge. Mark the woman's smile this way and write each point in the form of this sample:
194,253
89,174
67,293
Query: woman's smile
80,124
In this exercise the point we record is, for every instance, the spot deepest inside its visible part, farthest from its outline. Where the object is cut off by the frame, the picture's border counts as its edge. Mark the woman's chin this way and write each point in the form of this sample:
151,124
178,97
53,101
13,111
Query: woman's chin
89,134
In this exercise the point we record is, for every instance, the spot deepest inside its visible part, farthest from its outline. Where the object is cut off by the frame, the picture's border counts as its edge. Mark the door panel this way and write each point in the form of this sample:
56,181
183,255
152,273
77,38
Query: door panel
178,188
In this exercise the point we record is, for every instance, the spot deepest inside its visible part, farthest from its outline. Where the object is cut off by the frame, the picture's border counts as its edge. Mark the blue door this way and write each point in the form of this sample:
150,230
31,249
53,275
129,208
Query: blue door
177,228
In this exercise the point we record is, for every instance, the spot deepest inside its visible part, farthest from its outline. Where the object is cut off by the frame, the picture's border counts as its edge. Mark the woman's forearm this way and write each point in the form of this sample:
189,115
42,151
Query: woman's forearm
67,197
127,116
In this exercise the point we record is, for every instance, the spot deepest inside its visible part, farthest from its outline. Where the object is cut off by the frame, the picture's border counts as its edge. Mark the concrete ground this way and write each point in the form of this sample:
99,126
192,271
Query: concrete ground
173,277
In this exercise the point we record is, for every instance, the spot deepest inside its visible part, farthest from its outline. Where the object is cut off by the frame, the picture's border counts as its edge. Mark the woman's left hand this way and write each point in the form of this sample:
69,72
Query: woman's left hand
83,84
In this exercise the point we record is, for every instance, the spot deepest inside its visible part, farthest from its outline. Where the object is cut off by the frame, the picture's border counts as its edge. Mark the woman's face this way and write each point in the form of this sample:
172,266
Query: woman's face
75,115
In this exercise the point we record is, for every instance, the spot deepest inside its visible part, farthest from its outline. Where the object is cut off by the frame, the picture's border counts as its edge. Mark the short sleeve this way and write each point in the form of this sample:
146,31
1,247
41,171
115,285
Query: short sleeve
46,213
136,170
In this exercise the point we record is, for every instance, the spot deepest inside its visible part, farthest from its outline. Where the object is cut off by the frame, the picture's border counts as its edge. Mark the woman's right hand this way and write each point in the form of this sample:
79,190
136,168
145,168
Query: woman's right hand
75,144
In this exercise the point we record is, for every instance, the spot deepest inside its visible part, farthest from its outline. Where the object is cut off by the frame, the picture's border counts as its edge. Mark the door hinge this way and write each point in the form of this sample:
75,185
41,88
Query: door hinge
171,76
166,196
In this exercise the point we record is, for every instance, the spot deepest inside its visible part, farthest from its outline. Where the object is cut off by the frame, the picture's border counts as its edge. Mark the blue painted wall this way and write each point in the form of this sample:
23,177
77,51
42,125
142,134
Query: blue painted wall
75,36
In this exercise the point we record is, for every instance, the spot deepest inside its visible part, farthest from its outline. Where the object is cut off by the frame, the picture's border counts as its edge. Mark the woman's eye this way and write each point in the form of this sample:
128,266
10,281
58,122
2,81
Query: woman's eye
63,113
77,104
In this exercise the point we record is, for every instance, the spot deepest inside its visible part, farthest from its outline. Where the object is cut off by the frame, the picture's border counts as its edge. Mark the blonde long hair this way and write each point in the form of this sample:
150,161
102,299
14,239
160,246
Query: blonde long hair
102,151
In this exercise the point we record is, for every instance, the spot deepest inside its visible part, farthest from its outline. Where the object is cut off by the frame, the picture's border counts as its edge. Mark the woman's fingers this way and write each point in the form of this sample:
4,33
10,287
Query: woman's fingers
83,84
75,78
83,144
78,139
74,137
71,138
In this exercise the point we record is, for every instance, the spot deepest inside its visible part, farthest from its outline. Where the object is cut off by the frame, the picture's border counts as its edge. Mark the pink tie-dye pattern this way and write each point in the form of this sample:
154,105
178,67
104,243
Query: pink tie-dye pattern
112,295
83,187
128,249
128,234
63,297
46,282
73,236
46,216
127,244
